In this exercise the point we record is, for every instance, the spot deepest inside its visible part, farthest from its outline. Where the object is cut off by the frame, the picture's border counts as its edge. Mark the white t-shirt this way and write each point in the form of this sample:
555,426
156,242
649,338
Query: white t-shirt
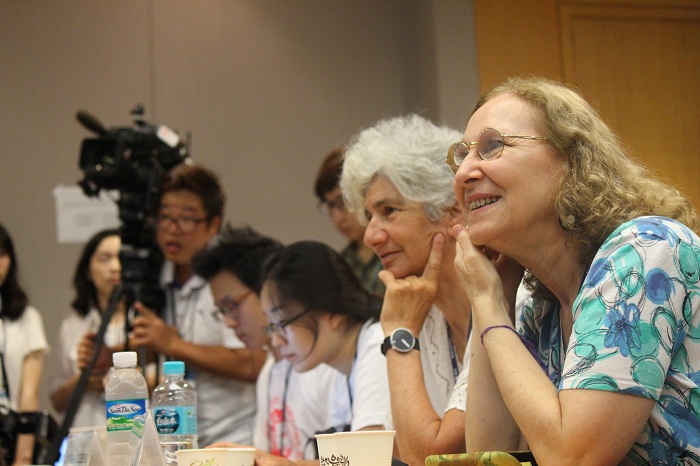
368,384
307,399
20,338
225,406
91,411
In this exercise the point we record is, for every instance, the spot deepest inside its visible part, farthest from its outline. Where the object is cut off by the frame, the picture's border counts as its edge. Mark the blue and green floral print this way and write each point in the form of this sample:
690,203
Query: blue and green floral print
636,331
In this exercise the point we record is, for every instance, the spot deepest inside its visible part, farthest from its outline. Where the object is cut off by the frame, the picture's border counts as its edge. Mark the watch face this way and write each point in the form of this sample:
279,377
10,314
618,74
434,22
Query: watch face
402,340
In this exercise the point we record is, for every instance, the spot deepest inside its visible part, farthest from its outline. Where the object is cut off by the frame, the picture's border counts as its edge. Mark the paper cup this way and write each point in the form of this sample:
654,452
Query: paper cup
362,448
216,457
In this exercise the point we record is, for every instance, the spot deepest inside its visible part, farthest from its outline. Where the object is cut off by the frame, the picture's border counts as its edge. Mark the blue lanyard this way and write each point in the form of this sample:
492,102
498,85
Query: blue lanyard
453,353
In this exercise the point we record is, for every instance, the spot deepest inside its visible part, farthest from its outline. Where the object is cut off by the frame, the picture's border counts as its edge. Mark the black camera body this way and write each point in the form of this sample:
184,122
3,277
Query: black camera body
132,160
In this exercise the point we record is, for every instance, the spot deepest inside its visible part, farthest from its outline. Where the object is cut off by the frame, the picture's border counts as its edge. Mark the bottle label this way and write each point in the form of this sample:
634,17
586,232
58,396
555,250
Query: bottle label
175,420
121,413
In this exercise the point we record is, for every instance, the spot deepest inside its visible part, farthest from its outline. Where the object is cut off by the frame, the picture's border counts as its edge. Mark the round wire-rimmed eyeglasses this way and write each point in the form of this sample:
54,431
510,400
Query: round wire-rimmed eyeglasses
489,146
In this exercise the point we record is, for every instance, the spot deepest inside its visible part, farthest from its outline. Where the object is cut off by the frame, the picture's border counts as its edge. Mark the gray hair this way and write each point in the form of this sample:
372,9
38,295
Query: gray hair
410,152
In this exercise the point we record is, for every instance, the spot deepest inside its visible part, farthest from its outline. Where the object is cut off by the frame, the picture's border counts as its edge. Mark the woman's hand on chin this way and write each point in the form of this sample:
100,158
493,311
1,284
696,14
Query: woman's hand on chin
484,274
408,300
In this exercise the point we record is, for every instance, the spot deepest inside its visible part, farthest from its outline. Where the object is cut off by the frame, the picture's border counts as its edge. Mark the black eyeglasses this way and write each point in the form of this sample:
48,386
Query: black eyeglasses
231,308
185,224
489,146
277,328
327,207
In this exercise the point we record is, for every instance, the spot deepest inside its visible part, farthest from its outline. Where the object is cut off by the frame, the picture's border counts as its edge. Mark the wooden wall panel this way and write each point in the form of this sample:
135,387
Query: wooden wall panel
516,37
638,62
641,65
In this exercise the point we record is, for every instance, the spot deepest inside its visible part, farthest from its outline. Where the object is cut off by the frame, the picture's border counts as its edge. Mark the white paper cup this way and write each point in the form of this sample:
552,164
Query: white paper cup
216,457
361,448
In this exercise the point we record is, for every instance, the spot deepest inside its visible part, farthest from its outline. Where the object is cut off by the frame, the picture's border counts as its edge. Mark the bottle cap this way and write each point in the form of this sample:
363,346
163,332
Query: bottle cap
173,367
124,359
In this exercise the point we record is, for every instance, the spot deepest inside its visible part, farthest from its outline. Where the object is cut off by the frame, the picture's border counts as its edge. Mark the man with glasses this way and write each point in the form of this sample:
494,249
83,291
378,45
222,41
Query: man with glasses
292,406
189,215
360,257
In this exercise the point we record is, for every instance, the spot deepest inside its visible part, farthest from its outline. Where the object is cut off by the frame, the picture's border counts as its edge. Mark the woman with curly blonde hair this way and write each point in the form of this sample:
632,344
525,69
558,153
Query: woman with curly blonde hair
602,186
603,364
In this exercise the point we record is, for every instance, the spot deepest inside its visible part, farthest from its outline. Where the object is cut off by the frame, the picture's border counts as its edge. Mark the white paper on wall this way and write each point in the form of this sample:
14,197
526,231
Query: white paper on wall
78,216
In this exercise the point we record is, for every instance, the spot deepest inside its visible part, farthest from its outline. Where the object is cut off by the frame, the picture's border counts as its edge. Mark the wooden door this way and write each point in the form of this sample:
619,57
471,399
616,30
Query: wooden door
638,62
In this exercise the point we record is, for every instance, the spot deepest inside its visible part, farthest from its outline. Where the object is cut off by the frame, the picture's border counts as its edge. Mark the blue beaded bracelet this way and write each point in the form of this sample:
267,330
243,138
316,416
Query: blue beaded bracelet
487,329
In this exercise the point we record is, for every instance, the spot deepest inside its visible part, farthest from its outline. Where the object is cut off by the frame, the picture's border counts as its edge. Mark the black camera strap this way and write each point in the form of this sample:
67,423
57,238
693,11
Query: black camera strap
5,386
2,361
53,453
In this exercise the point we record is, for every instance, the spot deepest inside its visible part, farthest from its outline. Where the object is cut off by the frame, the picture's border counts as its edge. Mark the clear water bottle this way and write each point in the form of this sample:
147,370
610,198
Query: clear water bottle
175,411
126,394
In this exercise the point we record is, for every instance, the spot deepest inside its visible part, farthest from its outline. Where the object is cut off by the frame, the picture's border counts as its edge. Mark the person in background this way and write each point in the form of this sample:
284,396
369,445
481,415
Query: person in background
189,215
292,406
23,343
603,364
394,180
361,257
319,313
97,274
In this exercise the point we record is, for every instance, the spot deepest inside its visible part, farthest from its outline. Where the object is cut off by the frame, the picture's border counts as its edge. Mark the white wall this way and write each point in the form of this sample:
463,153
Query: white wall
266,88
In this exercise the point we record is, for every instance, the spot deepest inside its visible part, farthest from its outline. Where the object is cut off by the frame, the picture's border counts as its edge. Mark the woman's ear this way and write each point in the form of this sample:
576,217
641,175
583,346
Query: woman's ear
336,321
454,216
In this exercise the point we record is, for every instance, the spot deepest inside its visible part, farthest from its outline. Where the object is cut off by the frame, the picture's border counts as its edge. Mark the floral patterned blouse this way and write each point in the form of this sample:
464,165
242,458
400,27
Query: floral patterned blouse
636,331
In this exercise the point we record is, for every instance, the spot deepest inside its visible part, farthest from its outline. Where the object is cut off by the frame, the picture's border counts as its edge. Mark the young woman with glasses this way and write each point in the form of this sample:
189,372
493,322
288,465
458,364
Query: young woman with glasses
291,406
319,313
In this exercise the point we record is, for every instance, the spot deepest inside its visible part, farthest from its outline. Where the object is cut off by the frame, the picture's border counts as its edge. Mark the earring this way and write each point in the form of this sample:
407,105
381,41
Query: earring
570,220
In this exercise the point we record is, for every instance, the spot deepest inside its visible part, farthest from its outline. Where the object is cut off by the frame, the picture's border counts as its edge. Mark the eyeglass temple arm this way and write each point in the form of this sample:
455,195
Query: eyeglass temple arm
539,138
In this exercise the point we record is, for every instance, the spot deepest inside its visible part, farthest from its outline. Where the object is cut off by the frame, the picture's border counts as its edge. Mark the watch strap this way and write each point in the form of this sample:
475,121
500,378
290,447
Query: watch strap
386,344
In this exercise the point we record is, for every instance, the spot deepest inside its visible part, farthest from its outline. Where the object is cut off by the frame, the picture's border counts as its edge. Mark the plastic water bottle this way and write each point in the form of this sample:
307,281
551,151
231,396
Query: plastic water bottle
175,411
126,394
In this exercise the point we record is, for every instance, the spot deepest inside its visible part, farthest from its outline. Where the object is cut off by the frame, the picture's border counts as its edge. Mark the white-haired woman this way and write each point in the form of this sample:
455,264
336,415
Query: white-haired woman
394,181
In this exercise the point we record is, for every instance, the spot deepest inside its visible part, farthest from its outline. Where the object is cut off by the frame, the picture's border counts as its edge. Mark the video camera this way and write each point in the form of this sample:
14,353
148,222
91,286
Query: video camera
133,161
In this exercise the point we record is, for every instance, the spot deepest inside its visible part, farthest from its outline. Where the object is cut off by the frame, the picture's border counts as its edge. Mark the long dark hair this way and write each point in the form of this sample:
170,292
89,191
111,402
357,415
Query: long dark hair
316,277
14,299
85,291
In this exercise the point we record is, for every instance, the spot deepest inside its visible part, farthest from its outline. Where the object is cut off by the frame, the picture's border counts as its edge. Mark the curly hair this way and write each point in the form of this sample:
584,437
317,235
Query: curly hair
603,186
409,151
